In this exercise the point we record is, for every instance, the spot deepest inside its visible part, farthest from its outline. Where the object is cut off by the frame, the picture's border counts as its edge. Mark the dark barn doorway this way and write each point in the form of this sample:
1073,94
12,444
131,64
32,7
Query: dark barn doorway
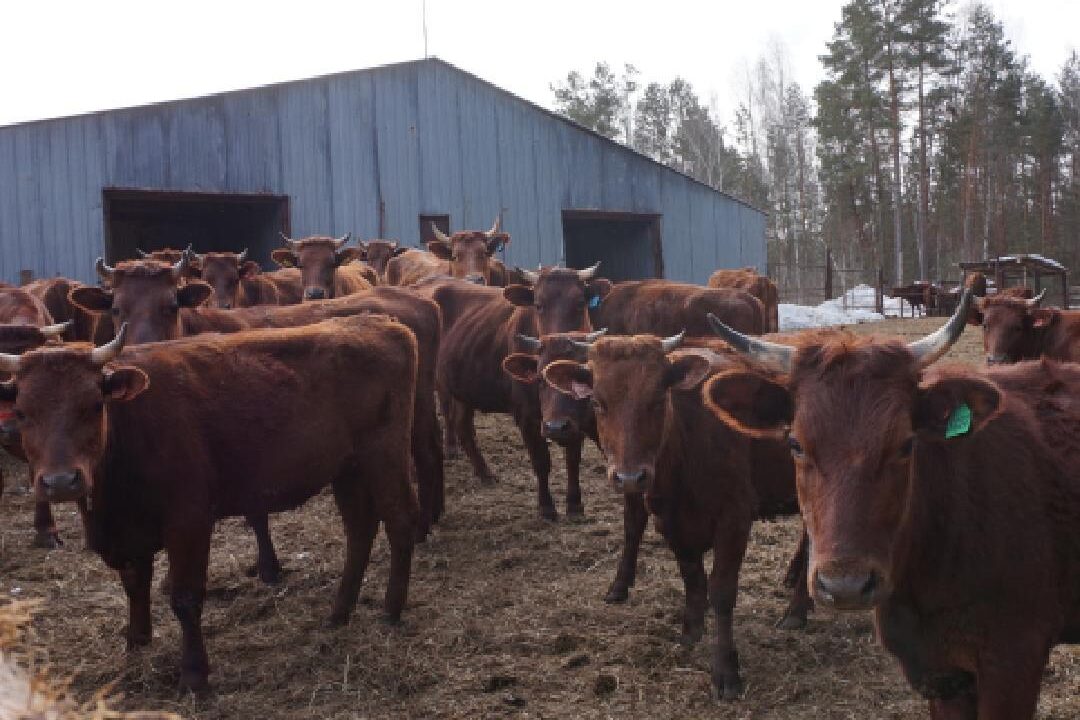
210,222
627,245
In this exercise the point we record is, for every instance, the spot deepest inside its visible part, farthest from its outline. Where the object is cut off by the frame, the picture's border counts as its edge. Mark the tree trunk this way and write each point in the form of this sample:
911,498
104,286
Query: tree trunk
894,99
922,211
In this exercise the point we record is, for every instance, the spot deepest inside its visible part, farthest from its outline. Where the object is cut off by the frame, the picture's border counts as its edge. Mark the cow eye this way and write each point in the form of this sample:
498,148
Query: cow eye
796,448
907,447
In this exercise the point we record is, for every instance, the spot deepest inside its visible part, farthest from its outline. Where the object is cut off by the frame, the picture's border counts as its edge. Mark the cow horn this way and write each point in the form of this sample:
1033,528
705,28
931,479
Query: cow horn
1037,300
289,242
494,227
240,257
340,242
177,270
669,344
101,355
530,277
439,234
765,352
594,336
142,253
928,349
588,273
57,329
529,342
9,363
104,271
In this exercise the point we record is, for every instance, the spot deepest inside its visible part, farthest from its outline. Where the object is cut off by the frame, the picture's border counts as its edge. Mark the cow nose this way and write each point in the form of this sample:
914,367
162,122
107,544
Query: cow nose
314,293
996,360
62,485
475,279
848,590
629,482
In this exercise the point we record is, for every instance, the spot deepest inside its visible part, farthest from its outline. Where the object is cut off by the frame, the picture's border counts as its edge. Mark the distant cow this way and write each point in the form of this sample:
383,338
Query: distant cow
53,292
914,294
757,285
466,255
935,497
281,415
484,326
1016,329
146,295
239,282
378,253
666,452
662,307
327,268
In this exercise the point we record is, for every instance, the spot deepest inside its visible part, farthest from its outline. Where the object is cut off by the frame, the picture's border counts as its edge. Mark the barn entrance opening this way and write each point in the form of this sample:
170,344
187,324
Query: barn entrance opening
151,220
627,245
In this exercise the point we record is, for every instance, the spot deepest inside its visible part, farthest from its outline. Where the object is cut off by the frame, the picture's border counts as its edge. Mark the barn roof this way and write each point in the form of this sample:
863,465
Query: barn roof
516,98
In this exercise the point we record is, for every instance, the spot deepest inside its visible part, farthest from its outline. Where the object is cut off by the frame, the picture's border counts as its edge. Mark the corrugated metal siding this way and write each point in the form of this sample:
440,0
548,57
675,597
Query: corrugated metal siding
420,137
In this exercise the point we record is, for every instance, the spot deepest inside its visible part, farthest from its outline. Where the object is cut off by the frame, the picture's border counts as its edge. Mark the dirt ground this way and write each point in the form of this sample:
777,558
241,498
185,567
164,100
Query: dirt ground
505,617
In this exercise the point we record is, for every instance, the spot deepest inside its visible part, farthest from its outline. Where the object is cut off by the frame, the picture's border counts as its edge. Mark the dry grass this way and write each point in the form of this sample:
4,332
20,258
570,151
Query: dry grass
505,619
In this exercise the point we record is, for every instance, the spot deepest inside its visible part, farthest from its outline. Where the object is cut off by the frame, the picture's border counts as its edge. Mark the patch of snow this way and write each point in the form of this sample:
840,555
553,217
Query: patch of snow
854,306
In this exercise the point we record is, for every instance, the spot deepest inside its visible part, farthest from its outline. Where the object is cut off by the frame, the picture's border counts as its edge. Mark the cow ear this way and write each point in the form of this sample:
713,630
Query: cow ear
363,248
347,255
956,405
90,298
522,367
1043,317
249,268
285,258
750,403
686,372
975,315
598,288
441,249
497,241
124,383
569,378
520,295
193,294
398,249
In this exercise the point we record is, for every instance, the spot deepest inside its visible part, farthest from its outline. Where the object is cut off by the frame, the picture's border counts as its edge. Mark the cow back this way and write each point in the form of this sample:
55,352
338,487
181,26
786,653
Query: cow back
660,307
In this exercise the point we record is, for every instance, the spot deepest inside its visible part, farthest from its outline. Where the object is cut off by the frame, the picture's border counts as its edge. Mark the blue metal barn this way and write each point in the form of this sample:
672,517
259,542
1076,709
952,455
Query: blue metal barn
378,153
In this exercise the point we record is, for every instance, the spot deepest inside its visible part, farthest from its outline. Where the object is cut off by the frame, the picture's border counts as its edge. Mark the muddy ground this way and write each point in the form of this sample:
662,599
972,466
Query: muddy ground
505,618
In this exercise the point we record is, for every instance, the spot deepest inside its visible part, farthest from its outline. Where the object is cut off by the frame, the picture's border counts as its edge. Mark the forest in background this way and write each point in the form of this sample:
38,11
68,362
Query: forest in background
929,141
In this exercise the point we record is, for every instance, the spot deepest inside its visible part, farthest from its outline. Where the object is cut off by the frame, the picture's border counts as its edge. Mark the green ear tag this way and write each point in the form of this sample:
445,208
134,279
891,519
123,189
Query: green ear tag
959,422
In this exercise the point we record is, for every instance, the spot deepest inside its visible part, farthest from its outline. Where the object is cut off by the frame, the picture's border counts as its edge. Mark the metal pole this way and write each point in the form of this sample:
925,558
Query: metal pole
423,4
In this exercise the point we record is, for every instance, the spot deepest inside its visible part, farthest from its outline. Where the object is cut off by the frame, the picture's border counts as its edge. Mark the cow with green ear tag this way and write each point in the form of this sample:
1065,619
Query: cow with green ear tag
669,456
932,498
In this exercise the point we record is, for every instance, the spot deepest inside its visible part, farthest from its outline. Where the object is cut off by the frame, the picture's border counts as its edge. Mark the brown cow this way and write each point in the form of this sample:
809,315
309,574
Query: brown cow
119,440
239,282
327,268
1016,329
943,505
466,255
378,253
760,286
662,307
482,326
151,308
666,452
53,292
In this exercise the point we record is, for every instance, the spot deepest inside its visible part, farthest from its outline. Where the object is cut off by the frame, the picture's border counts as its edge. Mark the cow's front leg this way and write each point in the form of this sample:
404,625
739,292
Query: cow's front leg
137,576
188,549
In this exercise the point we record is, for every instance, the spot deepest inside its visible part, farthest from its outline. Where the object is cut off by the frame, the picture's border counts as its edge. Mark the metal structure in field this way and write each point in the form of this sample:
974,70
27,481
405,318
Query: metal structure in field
377,153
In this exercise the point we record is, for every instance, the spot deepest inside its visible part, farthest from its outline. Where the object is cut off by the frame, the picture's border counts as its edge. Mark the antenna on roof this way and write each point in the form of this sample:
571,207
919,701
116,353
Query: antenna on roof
423,6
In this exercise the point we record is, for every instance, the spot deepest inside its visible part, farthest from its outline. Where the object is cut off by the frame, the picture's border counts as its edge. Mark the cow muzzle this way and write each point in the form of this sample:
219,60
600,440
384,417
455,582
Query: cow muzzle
314,293
560,430
848,586
630,482
61,486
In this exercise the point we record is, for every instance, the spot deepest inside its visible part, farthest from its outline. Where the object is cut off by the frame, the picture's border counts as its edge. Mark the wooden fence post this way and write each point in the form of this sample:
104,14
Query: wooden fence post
828,274
879,296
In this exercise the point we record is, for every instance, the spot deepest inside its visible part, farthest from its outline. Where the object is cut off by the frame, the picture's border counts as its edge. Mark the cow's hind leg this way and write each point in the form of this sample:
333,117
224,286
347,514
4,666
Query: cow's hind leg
427,456
574,506
635,518
45,533
188,548
540,459
267,566
136,577
466,429
358,515
692,569
801,603
447,407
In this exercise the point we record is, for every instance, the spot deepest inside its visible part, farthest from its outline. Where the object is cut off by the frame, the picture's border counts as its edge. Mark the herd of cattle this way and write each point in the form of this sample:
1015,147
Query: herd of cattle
185,388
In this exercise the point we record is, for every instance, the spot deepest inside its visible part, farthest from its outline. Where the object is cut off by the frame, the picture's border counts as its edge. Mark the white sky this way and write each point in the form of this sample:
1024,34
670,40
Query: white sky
63,58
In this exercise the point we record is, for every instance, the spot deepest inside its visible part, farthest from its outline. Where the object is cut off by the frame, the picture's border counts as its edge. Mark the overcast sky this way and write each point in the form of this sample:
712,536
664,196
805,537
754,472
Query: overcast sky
63,58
